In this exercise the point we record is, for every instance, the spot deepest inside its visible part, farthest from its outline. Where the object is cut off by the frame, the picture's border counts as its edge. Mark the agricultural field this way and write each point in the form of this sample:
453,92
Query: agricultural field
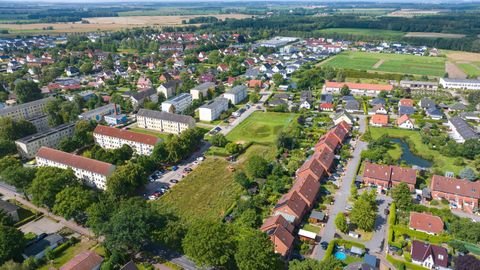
409,13
261,127
106,24
464,63
390,63
433,35
364,11
376,33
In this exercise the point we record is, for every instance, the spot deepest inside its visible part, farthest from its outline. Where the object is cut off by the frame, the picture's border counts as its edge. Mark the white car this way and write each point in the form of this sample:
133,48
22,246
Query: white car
200,159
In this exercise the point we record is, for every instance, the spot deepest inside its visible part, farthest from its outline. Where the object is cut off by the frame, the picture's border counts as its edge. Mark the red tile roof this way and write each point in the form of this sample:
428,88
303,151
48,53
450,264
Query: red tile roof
294,202
308,189
86,260
387,173
379,119
360,86
345,126
340,133
456,186
329,139
421,251
126,135
380,172
75,161
326,106
406,102
325,157
403,174
312,167
426,222
282,240
275,221
402,119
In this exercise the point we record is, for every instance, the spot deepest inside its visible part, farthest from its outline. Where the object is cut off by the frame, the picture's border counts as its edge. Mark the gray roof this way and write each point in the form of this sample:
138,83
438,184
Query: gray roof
46,133
458,106
317,215
306,96
356,250
42,244
434,112
141,95
237,89
172,84
176,99
204,86
461,80
352,105
110,106
326,98
187,119
7,110
8,207
342,113
463,128
219,101
427,103
418,82
405,110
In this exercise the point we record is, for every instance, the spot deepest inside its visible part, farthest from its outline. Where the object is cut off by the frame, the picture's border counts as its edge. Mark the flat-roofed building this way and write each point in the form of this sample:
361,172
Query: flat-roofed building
114,138
201,90
237,94
164,121
28,146
26,110
467,84
99,113
213,109
92,172
419,85
177,104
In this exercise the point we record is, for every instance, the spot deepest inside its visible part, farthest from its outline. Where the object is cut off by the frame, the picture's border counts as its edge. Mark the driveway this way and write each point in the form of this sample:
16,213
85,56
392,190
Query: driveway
43,225
376,244
342,194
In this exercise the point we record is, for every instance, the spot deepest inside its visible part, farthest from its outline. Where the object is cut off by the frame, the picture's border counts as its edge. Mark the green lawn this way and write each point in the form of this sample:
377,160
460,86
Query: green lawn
440,161
205,193
392,63
157,134
375,33
261,127
311,228
68,254
472,69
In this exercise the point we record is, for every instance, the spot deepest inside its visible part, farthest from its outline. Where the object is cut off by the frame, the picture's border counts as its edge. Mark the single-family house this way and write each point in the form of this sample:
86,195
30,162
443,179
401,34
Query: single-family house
405,122
426,223
87,260
408,110
343,116
38,248
428,255
379,120
427,103
279,230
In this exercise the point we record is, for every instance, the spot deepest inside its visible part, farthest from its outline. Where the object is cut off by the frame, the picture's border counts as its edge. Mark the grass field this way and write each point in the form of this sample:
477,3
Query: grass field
471,69
433,35
160,135
378,33
391,63
261,127
440,161
364,11
68,254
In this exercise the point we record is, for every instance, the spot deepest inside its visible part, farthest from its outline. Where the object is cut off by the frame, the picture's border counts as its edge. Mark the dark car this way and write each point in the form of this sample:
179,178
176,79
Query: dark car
324,244
386,211
174,181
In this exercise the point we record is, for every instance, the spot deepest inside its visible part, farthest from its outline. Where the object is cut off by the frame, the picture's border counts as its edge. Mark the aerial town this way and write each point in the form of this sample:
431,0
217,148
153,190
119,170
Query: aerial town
250,139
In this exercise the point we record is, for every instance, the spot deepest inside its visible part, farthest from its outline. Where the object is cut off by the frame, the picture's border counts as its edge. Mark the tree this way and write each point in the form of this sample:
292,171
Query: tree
13,130
257,167
219,140
285,141
125,179
209,243
12,243
468,173
7,147
341,222
47,183
233,148
242,179
255,252
72,202
27,91
329,263
86,68
364,210
345,90
278,79
254,97
466,262
401,196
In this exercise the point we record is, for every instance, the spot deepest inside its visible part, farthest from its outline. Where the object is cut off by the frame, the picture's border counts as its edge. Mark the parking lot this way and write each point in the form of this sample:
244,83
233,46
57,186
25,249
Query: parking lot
43,225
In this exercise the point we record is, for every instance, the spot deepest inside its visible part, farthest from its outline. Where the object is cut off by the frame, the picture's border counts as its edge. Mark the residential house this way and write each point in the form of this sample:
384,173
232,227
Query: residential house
460,193
169,88
405,122
426,223
165,77
379,120
291,206
213,109
26,110
377,101
343,116
387,176
460,130
428,255
144,83
255,84
378,109
86,260
279,230
164,121
467,84
328,107
408,110
114,138
434,113
201,91
308,189
92,172
177,104
457,107
39,247
427,103
306,100
418,85
352,106
237,94
223,68
405,102
326,98
72,71
138,98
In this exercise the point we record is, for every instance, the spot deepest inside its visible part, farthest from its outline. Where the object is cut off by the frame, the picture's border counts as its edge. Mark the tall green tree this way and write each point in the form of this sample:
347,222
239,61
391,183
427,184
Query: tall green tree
12,244
341,222
402,197
48,182
72,202
209,243
257,167
27,91
125,179
364,211
255,252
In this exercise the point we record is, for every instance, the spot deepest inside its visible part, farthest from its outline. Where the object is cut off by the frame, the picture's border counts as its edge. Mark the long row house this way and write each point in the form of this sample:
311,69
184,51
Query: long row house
293,206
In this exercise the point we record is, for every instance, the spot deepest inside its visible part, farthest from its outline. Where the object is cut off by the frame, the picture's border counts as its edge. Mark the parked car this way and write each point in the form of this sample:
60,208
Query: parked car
174,181
386,211
348,208
324,245
174,168
200,158
354,234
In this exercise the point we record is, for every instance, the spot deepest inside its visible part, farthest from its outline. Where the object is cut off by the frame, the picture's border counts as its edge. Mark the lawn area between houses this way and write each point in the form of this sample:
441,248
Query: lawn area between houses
68,254
414,140
157,134
391,63
261,127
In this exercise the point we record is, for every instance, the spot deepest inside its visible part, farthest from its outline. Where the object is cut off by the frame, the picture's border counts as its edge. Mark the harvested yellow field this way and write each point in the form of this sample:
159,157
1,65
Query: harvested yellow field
108,24
433,35
463,56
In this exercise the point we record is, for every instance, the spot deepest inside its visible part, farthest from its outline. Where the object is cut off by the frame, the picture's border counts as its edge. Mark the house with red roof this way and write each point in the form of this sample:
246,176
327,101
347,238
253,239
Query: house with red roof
291,206
405,122
387,176
379,120
326,107
460,193
308,189
311,167
428,255
87,260
426,223
223,68
406,102
279,230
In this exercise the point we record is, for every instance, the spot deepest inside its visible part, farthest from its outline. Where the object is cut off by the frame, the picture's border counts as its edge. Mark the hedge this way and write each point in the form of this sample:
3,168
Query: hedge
398,264
343,242
391,222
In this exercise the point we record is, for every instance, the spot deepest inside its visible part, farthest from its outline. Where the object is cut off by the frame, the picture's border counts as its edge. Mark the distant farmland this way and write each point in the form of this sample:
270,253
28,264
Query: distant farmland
391,63
106,24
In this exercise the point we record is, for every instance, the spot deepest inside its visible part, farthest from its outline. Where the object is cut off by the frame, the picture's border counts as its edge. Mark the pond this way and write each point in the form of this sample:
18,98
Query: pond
409,157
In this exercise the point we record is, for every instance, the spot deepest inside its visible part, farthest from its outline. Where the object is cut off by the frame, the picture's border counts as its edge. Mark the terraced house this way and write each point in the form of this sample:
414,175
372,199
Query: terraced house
460,193
387,176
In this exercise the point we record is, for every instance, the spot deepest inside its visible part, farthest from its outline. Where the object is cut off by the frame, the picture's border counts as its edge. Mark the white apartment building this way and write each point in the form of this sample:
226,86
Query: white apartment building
28,146
177,104
460,84
114,138
98,113
26,110
164,121
213,109
92,172
202,89
237,94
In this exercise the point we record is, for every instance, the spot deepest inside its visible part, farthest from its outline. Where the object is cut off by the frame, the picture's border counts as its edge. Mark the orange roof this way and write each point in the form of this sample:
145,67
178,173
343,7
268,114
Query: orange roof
75,161
282,240
402,119
84,261
254,83
379,119
308,189
126,135
426,222
293,202
406,102
360,86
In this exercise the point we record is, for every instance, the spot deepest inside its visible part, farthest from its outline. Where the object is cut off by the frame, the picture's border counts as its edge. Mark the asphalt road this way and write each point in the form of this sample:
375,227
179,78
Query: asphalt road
376,244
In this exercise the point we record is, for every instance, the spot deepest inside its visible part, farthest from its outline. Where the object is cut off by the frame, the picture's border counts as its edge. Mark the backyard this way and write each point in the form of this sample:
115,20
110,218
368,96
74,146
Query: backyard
391,63
261,127
66,255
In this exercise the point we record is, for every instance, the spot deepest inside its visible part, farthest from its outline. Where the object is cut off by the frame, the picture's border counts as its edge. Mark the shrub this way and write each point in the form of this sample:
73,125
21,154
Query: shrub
407,256
434,203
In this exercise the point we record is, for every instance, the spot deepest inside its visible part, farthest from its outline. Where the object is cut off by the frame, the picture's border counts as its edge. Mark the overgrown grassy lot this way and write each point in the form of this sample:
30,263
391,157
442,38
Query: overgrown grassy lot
261,127
391,63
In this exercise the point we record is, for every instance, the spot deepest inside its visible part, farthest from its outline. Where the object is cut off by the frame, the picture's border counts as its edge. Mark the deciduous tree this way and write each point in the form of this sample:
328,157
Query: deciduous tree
402,197
255,252
48,182
72,202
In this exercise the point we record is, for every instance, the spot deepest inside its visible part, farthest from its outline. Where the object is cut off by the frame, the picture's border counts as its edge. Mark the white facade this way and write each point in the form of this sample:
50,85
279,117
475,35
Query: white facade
177,104
236,94
111,142
98,113
27,147
408,124
212,110
26,110
202,89
460,84
164,122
